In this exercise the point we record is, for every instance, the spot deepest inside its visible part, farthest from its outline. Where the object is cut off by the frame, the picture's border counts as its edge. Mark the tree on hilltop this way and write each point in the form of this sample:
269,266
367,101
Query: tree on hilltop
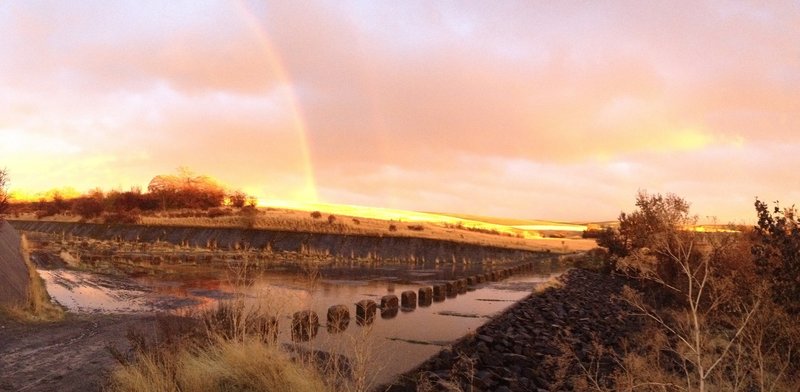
186,190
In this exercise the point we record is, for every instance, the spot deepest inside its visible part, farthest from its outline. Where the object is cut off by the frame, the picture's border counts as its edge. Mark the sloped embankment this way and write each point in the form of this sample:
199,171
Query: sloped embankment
13,271
336,245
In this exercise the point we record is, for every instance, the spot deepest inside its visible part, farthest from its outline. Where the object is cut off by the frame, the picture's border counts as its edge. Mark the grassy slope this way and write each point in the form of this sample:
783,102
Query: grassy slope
517,233
508,221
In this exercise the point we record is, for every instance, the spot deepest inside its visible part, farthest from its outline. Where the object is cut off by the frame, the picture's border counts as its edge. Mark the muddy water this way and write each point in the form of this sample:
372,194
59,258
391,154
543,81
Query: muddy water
392,343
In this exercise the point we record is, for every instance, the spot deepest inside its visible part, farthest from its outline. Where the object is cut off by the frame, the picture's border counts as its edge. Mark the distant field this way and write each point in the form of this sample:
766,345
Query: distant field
517,233
520,223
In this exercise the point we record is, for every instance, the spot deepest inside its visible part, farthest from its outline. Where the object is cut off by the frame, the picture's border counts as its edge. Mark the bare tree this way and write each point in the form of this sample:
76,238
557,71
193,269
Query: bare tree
670,257
3,191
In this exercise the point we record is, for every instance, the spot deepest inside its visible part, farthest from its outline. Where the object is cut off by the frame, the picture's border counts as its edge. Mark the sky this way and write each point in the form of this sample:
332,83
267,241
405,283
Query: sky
528,109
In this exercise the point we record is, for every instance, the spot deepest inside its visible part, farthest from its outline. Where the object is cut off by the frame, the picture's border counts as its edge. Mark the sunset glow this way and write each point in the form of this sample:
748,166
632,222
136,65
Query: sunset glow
559,111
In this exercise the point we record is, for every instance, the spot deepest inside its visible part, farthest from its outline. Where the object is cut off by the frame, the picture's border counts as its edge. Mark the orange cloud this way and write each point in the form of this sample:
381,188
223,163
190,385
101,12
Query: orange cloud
544,110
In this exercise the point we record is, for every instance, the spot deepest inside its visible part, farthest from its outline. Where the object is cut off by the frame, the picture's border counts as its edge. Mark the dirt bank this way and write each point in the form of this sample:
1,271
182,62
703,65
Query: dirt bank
13,271
516,351
69,355
334,245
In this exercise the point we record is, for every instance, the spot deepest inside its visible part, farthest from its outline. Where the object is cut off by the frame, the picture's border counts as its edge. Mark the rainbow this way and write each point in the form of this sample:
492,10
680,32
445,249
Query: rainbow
307,191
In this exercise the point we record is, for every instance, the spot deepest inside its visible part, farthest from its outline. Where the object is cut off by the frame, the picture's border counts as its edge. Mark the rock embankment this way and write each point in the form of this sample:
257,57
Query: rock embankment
519,350
13,271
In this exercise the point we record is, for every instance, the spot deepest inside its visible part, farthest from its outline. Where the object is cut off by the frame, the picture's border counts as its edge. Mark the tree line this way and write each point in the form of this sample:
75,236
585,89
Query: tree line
164,192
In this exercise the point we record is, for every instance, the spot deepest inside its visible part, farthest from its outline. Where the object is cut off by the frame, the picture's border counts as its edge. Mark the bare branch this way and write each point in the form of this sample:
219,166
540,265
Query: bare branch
733,339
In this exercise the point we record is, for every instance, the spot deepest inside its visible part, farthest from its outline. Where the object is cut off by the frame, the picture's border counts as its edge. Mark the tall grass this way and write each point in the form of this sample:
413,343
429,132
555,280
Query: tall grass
233,346
224,365
39,306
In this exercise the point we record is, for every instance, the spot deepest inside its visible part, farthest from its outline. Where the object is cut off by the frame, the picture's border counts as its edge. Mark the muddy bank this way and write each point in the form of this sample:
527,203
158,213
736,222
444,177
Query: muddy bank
13,271
516,351
332,245
69,355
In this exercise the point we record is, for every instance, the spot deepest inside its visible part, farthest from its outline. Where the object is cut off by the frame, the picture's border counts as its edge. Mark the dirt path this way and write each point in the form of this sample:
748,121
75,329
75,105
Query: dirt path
70,355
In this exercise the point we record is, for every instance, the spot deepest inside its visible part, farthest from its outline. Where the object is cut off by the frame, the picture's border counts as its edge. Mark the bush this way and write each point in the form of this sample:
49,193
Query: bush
3,191
249,210
777,252
392,227
591,233
416,227
316,215
123,217
88,207
217,212
331,219
356,221
596,259
249,216
238,199
45,213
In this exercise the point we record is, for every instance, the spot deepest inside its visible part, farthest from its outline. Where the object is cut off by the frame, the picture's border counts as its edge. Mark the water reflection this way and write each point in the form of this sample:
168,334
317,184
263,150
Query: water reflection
389,313
410,337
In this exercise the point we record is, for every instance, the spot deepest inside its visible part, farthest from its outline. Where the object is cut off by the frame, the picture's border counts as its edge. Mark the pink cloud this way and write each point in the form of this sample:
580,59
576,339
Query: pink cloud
554,110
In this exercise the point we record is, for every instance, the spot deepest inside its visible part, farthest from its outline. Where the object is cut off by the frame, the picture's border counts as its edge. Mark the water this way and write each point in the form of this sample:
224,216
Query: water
393,343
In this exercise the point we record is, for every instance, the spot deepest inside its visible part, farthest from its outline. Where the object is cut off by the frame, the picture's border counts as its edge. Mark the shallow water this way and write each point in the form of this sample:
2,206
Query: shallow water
393,343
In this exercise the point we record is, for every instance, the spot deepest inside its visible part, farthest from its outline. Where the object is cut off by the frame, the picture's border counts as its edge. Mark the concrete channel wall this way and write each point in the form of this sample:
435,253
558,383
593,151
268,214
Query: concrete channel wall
336,245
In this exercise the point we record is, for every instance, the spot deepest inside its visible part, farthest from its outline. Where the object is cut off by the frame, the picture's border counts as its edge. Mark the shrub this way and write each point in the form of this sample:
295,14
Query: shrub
249,216
595,259
356,221
591,233
331,219
316,215
88,207
238,199
217,212
45,213
249,210
777,252
392,227
123,217
238,354
416,227
3,191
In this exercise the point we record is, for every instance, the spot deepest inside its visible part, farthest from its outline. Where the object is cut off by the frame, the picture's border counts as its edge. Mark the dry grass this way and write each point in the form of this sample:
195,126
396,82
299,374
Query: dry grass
449,228
291,220
225,365
39,306
230,347
234,346
550,284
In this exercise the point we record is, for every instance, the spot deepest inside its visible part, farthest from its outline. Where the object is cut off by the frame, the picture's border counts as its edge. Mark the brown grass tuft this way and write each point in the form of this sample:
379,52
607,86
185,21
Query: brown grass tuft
226,365
39,306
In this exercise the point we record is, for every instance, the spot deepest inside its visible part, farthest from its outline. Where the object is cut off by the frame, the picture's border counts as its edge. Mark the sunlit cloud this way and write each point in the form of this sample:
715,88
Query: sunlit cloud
559,110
